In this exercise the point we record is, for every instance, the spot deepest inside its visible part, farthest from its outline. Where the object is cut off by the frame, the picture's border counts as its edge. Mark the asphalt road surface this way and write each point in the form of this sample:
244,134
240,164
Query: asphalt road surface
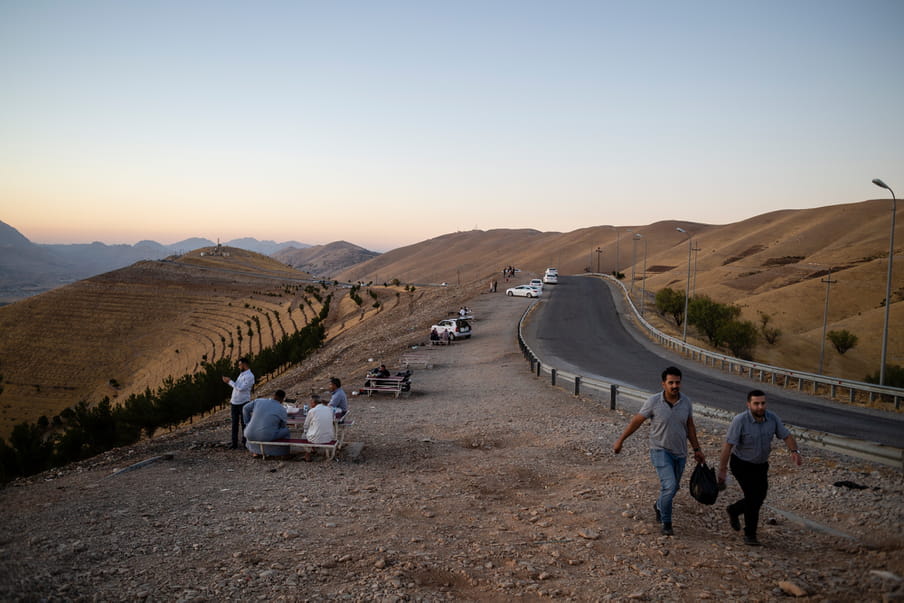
578,327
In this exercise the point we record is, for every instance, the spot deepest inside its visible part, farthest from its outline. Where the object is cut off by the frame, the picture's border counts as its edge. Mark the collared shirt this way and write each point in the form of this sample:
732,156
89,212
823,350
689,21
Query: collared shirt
241,387
339,400
668,423
752,439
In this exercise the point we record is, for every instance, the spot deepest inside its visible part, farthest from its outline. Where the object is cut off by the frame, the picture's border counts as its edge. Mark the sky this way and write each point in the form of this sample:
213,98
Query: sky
388,123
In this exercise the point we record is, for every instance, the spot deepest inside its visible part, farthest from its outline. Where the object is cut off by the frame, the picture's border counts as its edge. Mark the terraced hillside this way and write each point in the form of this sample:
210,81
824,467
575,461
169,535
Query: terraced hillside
121,332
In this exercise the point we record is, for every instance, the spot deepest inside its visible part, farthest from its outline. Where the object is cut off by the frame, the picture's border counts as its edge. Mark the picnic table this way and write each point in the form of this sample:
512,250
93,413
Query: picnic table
394,384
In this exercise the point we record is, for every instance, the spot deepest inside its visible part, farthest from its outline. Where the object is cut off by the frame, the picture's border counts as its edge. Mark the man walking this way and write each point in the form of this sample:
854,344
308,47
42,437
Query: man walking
672,424
241,395
747,446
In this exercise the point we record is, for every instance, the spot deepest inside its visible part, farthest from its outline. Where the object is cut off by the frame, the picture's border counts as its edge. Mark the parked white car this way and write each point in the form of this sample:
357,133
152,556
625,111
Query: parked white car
524,291
458,328
551,276
535,282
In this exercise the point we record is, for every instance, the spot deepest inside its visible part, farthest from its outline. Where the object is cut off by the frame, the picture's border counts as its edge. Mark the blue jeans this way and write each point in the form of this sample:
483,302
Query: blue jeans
670,468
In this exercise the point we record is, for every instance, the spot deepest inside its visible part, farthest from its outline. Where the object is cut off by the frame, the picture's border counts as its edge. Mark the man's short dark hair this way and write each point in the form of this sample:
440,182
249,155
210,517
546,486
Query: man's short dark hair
243,360
672,370
279,395
755,393
335,381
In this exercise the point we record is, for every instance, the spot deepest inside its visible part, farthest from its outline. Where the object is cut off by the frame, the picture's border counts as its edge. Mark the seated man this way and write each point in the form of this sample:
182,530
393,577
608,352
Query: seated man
382,371
318,424
338,399
265,421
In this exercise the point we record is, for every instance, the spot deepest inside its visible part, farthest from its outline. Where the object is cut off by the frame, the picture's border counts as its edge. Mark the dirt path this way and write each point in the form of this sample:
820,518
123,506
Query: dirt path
484,484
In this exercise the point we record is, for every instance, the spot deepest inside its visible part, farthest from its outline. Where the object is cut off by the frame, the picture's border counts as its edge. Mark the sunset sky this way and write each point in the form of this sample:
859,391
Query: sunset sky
388,123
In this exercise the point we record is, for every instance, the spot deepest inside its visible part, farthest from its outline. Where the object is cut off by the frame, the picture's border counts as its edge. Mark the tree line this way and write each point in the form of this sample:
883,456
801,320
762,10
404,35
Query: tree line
85,430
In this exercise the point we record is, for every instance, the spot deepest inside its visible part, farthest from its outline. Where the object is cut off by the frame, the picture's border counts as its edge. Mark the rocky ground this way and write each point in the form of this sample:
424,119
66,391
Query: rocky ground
483,484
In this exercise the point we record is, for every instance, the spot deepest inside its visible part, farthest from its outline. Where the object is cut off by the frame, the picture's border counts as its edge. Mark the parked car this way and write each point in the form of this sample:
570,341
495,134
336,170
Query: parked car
535,282
551,276
458,328
524,291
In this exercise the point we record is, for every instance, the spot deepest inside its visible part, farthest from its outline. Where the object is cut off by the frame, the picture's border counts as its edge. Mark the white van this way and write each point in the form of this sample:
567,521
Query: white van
551,277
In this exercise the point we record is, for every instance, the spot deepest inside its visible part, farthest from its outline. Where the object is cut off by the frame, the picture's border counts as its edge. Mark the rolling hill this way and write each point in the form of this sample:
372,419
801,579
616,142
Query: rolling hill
126,330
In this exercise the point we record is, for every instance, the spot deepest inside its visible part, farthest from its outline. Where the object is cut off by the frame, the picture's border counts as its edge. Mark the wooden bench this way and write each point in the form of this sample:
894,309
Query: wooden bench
393,385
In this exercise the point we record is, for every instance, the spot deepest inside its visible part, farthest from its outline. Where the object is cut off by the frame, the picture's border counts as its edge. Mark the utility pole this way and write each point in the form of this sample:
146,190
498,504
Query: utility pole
825,318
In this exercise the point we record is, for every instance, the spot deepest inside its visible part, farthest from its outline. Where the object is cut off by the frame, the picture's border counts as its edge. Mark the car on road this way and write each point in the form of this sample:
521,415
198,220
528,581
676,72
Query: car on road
551,276
538,283
458,328
524,291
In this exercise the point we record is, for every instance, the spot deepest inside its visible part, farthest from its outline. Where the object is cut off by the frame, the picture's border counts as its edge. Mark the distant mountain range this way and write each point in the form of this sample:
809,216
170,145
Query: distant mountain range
28,268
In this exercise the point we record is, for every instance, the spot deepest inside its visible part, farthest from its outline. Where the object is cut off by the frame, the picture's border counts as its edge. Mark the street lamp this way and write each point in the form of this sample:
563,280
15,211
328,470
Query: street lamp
643,290
891,256
633,259
694,286
687,288
599,252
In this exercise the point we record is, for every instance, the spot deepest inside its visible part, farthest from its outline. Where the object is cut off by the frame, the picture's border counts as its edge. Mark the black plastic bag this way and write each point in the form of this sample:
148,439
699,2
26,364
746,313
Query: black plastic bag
704,487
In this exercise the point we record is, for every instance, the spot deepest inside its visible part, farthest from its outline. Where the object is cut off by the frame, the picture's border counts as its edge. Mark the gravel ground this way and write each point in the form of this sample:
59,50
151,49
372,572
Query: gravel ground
483,484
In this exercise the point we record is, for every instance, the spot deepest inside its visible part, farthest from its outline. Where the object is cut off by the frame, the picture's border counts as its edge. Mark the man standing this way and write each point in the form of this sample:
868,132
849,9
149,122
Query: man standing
338,399
748,444
672,424
241,395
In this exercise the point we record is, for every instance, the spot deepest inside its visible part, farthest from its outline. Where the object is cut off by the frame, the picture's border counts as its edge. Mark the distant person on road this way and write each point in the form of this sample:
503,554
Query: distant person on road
672,425
318,424
338,399
747,446
266,421
241,395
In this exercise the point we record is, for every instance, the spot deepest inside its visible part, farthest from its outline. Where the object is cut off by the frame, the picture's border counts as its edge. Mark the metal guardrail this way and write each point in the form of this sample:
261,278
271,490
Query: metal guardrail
761,372
622,396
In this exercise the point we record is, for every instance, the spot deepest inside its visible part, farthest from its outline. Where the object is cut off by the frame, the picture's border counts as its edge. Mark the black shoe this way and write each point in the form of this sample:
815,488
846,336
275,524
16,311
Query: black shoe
751,541
233,447
667,529
658,514
733,520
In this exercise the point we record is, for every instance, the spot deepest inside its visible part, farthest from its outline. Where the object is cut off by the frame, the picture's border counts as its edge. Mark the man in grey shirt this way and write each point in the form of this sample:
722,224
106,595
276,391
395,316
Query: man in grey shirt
748,444
672,425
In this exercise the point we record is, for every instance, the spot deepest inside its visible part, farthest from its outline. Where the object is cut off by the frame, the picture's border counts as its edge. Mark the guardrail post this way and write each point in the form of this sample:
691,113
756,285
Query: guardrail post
531,364
552,376
538,368
613,392
577,385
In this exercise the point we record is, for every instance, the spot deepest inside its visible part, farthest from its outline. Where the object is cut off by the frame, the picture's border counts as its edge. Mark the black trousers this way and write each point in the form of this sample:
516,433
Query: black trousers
754,481
237,419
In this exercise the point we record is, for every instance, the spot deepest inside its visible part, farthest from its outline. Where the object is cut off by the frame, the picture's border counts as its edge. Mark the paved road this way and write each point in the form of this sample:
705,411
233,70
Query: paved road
578,328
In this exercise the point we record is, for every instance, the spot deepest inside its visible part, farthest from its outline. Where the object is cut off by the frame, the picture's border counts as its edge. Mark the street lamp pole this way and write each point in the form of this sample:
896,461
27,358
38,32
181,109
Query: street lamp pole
825,319
643,290
891,256
633,259
687,288
599,252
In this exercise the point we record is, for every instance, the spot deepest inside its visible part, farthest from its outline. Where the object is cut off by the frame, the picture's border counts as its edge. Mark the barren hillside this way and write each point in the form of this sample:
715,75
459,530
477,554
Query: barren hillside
121,332
772,263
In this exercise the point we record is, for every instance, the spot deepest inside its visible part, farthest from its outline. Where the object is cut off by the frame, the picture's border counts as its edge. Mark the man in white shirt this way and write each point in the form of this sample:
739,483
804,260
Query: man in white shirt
241,395
318,424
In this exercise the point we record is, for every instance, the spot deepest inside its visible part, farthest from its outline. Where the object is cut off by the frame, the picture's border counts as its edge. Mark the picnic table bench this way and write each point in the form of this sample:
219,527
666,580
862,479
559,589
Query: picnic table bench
330,448
421,356
395,385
